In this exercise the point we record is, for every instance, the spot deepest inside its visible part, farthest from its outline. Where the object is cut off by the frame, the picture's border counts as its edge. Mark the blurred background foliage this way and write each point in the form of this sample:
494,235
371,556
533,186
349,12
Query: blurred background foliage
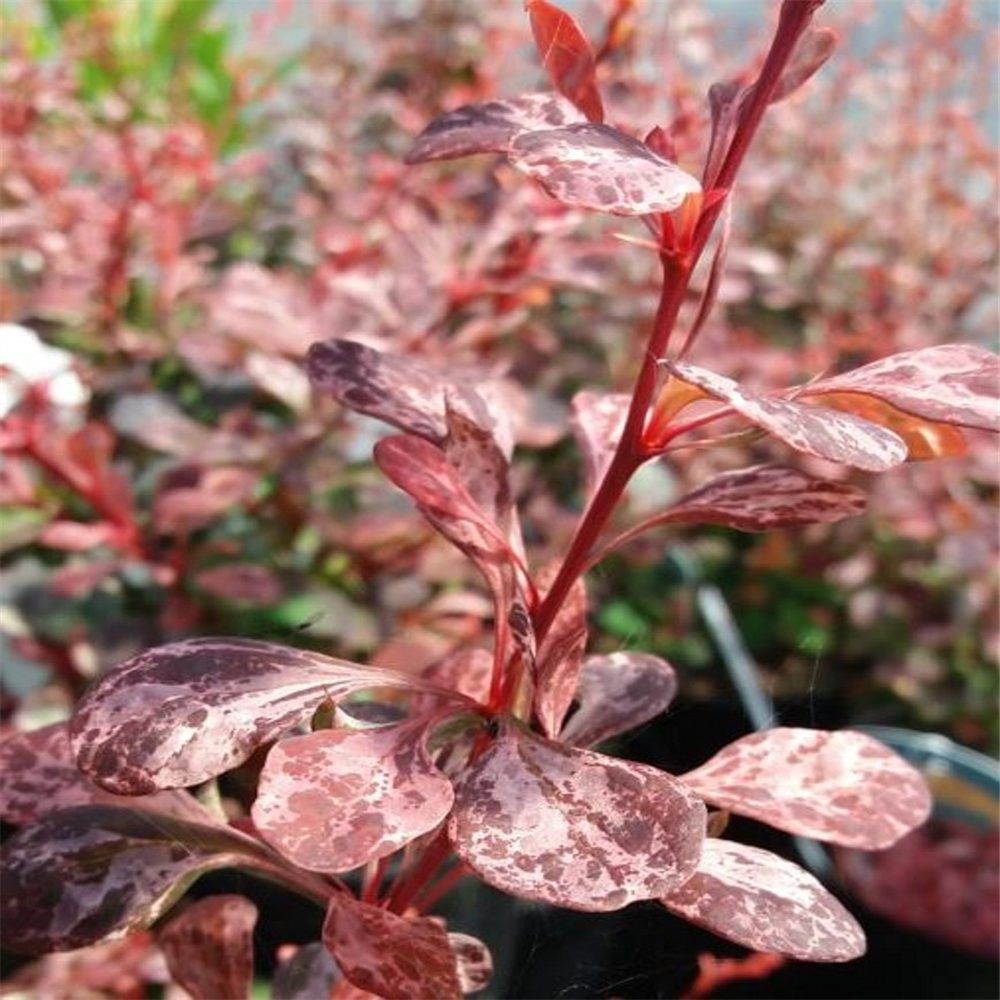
193,192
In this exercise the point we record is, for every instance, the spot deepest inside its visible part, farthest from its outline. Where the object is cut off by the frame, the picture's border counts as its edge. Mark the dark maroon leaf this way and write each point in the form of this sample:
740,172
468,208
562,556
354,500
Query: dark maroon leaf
179,714
209,947
843,787
475,963
82,874
310,973
567,56
598,167
597,420
816,430
951,383
813,50
766,903
574,828
400,390
395,957
490,127
760,498
39,776
618,692
336,799
558,660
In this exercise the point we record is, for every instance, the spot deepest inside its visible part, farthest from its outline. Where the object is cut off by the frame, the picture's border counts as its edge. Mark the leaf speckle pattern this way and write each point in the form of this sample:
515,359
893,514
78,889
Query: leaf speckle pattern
574,828
595,166
766,903
335,799
843,787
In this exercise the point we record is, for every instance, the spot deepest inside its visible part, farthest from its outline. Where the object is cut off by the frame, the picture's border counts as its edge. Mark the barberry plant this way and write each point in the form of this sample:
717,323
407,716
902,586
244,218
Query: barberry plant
379,789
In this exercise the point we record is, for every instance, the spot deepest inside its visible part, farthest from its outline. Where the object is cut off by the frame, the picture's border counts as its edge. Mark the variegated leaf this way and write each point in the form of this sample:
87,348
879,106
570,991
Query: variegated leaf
559,657
392,956
490,127
336,799
598,167
209,947
951,383
816,430
766,903
475,963
844,787
179,714
760,498
618,692
89,872
401,390
574,828
597,420
39,776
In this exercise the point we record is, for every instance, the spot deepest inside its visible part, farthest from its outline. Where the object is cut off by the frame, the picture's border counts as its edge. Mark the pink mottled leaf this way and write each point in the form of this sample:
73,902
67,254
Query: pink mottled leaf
335,799
395,957
242,583
844,787
83,874
39,776
76,536
209,947
816,430
567,56
400,390
475,963
466,671
597,420
598,167
760,498
559,657
191,497
574,828
766,903
179,714
951,383
813,50
618,692
490,127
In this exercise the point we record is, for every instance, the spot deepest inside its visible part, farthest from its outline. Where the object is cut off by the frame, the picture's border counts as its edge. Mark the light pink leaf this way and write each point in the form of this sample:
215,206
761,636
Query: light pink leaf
574,828
951,383
618,692
816,430
179,714
475,963
766,903
490,127
39,776
813,50
191,497
395,957
598,167
242,583
336,799
760,498
209,947
559,657
89,872
76,536
466,671
400,390
844,787
597,420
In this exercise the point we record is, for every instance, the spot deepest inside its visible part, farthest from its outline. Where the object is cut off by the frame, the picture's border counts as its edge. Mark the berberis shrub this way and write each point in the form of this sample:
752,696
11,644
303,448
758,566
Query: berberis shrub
380,789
